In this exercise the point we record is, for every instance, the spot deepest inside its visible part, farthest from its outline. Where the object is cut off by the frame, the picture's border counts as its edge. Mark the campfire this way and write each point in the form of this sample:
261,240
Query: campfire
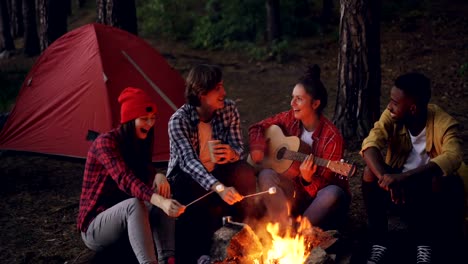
299,243
286,249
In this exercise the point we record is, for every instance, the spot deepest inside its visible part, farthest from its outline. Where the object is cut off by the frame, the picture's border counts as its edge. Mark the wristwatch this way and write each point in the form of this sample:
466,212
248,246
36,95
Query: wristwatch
219,188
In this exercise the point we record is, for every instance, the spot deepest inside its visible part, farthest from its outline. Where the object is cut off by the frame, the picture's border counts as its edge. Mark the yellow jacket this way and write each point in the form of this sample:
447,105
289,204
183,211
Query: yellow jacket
443,145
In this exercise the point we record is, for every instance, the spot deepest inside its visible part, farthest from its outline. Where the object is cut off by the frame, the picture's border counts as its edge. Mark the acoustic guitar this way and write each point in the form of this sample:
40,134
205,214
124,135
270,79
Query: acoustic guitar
283,151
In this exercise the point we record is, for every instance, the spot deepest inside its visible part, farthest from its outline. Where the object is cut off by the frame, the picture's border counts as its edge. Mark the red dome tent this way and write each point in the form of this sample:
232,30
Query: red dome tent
72,90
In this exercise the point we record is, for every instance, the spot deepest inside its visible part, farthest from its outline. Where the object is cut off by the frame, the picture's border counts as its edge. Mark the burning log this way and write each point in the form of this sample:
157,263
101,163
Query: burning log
319,256
236,243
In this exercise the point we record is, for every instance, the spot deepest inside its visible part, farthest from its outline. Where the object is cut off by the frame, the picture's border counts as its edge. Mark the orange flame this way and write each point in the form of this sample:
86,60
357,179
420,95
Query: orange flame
288,248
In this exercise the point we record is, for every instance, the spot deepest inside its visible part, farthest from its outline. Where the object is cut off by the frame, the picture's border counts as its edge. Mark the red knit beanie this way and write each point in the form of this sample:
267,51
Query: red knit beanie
135,103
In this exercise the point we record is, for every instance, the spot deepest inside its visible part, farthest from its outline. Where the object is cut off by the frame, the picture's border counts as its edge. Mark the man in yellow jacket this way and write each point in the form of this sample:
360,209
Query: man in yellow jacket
419,171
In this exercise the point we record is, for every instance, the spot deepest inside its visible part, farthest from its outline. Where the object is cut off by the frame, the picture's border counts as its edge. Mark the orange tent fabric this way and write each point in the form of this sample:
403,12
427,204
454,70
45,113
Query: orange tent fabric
73,88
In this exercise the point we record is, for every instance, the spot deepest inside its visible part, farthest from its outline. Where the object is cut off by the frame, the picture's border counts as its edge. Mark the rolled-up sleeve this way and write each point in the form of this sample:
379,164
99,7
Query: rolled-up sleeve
379,134
257,139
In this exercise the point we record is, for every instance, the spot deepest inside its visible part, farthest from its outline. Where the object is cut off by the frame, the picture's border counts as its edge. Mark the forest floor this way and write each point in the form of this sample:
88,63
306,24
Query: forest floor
40,194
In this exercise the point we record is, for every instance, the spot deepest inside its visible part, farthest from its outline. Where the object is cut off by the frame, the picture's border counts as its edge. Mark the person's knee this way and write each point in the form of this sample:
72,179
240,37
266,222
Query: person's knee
244,176
135,205
368,175
331,195
267,178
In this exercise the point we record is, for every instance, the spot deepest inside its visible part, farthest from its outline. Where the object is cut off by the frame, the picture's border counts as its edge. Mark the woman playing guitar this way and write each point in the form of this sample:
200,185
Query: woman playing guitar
307,189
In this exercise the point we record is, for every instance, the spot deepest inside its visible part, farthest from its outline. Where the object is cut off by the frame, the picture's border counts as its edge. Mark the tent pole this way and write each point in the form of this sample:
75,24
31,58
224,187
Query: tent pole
155,87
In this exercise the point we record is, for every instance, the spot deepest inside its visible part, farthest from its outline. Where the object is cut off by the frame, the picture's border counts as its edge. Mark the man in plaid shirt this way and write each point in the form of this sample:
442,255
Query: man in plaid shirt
315,192
192,171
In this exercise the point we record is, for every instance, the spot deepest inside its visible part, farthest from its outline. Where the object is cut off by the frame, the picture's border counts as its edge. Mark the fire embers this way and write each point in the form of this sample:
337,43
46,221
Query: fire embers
299,243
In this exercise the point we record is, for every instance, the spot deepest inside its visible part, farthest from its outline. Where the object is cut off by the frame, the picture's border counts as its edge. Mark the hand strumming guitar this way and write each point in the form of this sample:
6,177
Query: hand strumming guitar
308,168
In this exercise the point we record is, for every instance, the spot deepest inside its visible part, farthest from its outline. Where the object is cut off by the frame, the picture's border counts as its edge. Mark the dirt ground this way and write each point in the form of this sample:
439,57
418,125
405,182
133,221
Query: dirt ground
40,194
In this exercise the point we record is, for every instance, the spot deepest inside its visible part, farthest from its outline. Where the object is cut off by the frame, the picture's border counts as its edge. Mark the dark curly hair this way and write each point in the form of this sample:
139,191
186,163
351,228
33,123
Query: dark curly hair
136,153
314,86
200,80
416,86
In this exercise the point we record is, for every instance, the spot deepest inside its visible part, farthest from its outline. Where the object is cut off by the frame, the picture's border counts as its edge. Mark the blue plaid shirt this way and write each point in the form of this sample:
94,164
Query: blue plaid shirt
184,145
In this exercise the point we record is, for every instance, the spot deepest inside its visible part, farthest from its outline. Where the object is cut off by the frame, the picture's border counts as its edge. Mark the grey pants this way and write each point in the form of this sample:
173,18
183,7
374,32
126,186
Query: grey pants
141,222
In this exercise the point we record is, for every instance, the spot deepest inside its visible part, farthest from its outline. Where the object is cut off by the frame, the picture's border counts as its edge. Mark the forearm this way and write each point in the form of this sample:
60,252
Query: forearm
429,170
375,162
156,200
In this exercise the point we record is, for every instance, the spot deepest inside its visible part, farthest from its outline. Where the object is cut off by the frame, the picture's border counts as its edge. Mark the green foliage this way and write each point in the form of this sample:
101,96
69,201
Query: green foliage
297,18
11,83
228,22
171,19
463,71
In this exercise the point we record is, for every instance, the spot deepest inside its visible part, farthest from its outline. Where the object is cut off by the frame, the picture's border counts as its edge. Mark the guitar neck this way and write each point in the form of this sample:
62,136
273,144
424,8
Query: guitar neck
298,156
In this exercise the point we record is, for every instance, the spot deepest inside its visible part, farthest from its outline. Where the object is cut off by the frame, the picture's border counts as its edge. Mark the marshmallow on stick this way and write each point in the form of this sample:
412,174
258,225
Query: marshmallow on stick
271,190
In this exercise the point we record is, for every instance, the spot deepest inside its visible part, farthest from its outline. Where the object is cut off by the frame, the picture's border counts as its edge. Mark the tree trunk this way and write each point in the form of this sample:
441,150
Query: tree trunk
52,21
57,11
118,13
31,40
17,28
273,20
81,3
5,33
358,95
43,19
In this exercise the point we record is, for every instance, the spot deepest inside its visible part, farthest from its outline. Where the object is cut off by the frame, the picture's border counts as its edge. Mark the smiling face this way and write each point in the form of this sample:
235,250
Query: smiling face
143,124
303,104
214,99
401,107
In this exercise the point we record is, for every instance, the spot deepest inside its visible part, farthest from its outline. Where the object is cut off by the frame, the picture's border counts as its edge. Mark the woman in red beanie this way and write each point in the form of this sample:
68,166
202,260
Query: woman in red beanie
122,196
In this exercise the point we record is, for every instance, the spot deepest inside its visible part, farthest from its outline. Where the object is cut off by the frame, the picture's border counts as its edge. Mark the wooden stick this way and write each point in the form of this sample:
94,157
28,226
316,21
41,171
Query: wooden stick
271,190
198,199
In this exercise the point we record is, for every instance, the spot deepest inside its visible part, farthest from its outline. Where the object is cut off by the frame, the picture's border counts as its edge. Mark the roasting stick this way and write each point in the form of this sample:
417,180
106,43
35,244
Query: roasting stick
271,190
198,199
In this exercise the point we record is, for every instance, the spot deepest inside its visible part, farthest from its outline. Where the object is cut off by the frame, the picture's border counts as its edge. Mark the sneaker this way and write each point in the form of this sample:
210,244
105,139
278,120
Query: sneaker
423,254
376,255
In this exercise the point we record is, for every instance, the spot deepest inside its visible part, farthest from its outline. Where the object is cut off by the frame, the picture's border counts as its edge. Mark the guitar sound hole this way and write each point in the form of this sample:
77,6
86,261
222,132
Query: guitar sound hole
280,153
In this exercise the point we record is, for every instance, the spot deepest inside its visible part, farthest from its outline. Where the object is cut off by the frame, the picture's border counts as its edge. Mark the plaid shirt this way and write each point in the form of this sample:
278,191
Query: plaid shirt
327,144
184,145
107,180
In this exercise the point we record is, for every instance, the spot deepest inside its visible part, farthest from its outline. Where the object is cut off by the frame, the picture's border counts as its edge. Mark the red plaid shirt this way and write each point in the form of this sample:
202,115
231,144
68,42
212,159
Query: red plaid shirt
107,180
327,143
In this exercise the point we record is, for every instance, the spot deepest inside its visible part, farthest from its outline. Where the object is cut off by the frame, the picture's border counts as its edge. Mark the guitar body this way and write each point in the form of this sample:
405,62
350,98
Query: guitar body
276,141
285,154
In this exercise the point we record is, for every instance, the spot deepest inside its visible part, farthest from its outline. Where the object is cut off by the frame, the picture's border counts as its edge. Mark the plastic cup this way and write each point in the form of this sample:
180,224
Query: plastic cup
211,145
